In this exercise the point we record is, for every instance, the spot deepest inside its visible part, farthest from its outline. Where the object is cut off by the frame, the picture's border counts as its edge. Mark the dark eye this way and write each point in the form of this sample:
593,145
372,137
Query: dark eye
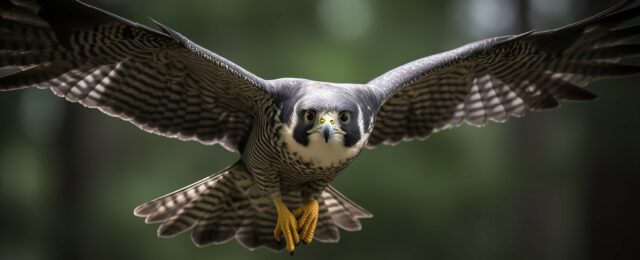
309,116
345,117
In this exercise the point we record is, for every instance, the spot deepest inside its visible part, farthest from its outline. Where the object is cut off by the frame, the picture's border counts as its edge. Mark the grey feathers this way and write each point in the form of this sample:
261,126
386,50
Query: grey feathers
228,205
165,84
161,82
494,79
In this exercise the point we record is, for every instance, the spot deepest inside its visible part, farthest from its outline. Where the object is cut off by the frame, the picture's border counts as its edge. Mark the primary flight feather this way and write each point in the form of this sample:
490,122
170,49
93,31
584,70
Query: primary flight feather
293,135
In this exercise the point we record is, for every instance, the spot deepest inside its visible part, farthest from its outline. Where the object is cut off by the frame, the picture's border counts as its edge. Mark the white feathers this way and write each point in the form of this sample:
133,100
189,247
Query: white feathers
319,152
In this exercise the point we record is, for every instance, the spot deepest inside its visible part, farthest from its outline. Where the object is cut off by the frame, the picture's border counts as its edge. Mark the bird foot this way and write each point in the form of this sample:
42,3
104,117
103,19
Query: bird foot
286,226
307,217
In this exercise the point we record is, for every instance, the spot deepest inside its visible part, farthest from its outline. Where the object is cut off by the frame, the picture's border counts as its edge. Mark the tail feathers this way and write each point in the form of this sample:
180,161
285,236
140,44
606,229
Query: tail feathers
166,206
257,230
229,205
216,226
352,208
337,211
326,230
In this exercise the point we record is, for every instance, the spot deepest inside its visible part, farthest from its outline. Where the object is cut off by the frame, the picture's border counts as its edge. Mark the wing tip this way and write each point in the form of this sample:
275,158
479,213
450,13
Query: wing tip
142,210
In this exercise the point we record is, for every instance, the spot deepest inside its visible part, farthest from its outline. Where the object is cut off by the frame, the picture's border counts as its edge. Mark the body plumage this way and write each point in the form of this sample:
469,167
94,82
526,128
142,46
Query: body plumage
294,136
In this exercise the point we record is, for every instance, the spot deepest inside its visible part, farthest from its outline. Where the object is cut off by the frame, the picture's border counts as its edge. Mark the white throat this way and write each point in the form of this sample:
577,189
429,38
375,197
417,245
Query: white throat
319,152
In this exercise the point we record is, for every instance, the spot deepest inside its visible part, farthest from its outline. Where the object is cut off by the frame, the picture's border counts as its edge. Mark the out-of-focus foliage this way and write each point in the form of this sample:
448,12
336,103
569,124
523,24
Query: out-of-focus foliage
554,185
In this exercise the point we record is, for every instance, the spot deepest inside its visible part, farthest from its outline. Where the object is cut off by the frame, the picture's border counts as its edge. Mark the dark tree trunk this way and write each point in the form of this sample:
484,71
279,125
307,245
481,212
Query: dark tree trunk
71,154
613,199
532,202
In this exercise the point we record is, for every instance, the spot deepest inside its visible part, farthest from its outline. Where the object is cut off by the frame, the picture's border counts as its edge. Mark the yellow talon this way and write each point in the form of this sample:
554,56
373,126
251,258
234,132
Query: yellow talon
286,225
307,216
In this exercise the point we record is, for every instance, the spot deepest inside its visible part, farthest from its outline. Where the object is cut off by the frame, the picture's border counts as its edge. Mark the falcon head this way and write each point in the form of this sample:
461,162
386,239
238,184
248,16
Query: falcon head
333,126
325,123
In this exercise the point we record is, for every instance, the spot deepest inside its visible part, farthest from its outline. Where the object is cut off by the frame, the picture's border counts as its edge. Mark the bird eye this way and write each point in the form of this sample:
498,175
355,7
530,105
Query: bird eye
309,116
345,117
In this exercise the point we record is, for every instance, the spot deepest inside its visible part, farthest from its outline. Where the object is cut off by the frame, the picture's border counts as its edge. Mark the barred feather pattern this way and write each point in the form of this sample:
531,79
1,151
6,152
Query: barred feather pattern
274,168
165,84
159,81
503,77
229,205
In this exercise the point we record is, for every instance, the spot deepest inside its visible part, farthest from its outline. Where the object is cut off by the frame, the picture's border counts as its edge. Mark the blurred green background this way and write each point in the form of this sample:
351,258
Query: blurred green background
555,185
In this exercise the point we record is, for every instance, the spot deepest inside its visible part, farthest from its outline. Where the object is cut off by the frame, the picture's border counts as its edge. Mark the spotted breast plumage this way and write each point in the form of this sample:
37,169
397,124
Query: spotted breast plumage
294,136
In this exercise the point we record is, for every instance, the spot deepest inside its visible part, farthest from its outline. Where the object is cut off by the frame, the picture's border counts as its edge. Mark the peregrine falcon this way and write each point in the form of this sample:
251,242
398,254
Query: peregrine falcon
293,136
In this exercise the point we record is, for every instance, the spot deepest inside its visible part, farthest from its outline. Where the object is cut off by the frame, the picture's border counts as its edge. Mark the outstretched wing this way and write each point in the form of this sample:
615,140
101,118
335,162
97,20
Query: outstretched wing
159,81
494,79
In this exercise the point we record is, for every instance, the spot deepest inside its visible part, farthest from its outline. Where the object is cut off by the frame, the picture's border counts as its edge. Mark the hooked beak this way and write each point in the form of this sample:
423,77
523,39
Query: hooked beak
327,126
327,130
